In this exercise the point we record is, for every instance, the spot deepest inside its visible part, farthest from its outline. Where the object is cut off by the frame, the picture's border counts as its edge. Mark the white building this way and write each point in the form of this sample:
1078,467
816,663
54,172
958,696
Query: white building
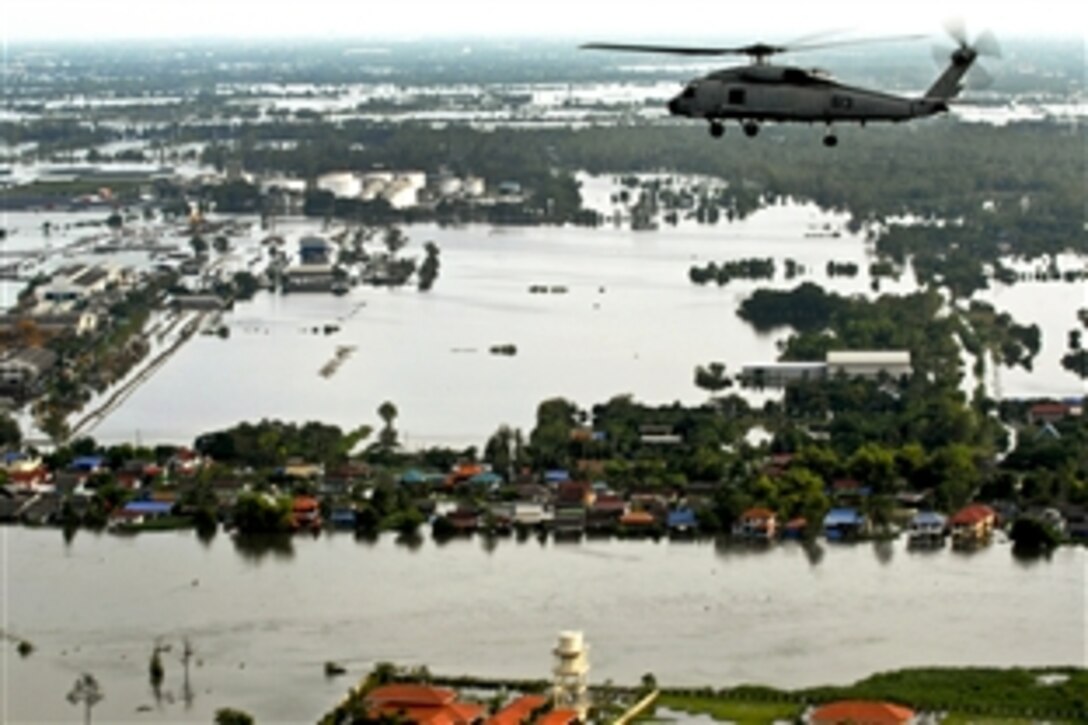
869,363
570,689
342,184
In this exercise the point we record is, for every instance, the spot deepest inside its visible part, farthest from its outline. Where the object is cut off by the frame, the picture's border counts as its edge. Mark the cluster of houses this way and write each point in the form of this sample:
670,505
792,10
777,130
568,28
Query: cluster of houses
470,497
74,301
429,705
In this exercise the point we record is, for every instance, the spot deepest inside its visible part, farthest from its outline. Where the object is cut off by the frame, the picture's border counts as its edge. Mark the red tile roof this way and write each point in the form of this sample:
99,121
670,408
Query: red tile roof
422,704
518,711
861,712
973,514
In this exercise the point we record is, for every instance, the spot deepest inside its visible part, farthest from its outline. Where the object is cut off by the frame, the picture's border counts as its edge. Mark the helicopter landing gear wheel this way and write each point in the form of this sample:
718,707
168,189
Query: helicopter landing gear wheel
751,128
830,139
717,130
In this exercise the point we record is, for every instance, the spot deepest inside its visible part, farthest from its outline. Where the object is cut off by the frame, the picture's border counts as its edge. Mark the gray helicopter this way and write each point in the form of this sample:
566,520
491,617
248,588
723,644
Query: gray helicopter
761,91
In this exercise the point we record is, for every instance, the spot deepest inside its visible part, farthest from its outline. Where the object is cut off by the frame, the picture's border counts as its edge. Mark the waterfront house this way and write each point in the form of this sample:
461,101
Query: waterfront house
136,513
973,524
605,512
682,522
305,514
861,712
420,704
574,493
757,524
639,523
463,520
927,527
569,521
843,524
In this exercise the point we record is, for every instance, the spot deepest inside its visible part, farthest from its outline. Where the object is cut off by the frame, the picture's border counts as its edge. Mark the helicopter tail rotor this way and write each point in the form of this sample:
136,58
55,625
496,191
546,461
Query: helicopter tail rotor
962,60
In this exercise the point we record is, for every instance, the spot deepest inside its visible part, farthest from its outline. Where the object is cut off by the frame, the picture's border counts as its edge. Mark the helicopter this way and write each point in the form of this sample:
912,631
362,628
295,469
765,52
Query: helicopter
761,91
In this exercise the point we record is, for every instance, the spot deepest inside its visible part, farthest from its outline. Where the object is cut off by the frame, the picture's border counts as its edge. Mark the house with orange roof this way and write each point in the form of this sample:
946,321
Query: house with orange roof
861,712
305,513
973,524
758,524
421,704
521,710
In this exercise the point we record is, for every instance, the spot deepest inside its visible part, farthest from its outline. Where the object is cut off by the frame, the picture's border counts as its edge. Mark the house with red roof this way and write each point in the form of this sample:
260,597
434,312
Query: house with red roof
972,524
521,710
861,712
305,514
421,704
758,524
1047,412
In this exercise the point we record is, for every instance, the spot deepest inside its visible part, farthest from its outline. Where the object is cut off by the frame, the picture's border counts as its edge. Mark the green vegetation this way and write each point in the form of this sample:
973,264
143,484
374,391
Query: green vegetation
728,710
272,443
967,694
726,271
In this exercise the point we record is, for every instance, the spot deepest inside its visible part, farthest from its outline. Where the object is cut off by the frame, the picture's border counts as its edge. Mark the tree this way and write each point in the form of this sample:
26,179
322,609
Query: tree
387,437
114,220
712,377
428,271
86,691
394,240
10,434
499,451
198,245
230,716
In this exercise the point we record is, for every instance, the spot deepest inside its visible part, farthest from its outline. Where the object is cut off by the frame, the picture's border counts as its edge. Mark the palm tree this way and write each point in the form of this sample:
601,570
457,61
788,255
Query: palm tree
86,690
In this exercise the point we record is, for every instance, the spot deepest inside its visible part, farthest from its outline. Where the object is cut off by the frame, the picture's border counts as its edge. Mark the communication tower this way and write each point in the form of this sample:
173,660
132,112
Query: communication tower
570,690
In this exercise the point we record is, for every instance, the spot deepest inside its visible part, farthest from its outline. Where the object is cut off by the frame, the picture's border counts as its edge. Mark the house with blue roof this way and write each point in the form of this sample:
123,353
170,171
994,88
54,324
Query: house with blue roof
845,524
486,479
682,521
557,475
927,527
87,464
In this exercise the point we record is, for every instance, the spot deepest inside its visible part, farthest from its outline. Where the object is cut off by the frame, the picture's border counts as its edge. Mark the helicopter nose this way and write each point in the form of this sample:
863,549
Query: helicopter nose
674,107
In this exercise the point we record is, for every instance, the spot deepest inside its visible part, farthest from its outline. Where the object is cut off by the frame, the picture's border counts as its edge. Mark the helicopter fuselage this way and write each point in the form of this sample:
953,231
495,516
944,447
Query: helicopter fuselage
766,92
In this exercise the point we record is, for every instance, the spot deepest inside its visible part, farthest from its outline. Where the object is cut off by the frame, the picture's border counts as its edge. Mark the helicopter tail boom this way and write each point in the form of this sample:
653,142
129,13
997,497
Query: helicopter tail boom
948,85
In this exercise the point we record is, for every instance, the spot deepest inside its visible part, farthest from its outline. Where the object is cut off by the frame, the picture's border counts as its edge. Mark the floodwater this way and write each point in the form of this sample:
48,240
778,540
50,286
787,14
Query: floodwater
263,622
629,322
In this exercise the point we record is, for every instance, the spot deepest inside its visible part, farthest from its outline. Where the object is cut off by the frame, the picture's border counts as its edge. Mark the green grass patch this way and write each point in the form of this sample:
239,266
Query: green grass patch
959,718
745,713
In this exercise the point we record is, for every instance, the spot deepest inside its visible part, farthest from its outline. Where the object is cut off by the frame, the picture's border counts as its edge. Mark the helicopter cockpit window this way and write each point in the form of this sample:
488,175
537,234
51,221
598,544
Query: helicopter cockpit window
736,96
689,92
842,103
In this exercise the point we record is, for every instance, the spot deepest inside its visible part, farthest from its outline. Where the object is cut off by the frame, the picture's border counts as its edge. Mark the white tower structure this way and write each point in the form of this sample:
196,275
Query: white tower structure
570,691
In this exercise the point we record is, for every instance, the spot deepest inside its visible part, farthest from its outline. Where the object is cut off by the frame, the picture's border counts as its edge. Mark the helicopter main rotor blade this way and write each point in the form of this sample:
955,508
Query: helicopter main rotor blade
670,49
854,41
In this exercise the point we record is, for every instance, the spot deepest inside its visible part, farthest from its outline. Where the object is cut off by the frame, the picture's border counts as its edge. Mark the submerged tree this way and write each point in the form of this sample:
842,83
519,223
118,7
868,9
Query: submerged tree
88,692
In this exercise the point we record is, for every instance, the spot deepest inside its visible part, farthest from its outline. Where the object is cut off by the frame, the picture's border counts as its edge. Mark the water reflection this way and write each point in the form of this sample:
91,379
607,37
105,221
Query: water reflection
813,552
412,541
255,548
884,550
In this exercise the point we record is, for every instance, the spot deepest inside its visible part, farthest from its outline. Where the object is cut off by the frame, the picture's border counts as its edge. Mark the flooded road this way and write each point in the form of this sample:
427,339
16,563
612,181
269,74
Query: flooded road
264,621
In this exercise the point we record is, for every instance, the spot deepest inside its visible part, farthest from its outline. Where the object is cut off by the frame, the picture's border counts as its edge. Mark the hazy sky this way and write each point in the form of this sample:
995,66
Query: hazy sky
90,20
